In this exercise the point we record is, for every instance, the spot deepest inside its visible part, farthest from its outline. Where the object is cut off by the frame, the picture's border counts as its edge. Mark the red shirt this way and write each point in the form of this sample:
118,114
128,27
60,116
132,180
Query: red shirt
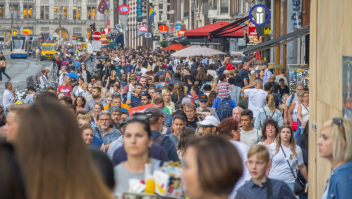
229,66
67,90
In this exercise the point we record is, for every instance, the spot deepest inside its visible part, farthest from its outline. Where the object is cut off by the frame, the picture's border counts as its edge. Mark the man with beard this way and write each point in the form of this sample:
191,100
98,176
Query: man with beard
123,81
115,116
89,107
106,132
136,98
146,99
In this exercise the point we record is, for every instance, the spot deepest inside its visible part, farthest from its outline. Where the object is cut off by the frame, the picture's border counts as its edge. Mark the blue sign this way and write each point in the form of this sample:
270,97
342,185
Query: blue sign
259,15
148,35
178,27
139,10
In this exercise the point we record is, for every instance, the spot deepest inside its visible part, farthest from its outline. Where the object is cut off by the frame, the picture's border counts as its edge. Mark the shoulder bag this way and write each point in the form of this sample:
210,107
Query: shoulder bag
97,129
299,187
269,190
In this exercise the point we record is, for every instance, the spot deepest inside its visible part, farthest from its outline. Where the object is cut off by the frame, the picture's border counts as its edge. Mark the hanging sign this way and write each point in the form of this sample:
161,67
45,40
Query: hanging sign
123,9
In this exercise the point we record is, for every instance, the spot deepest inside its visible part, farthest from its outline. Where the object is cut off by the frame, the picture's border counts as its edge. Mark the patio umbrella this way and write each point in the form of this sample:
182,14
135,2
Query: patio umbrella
113,45
197,51
175,47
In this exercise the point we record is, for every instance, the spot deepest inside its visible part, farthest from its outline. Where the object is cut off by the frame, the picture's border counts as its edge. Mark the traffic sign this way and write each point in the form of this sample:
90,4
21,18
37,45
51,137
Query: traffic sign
181,32
156,38
96,36
118,26
79,46
96,45
148,35
124,9
74,37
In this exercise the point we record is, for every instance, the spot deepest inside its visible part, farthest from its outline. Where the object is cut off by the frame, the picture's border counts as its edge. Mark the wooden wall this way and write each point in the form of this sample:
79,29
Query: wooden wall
330,39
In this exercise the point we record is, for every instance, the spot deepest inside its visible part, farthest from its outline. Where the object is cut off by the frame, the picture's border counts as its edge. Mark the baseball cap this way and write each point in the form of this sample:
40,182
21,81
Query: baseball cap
154,111
209,120
73,79
264,64
203,97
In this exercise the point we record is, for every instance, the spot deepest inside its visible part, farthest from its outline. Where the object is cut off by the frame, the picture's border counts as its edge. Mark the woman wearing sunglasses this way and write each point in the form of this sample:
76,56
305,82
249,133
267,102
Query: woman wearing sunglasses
335,144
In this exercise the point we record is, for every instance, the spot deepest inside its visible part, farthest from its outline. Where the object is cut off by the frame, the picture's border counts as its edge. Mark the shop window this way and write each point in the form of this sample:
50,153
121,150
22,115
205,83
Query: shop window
64,11
56,11
224,6
13,9
215,4
76,13
2,11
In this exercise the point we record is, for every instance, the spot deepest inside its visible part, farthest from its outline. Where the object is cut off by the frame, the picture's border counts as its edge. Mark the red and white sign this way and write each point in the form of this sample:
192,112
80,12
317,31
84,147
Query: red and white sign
96,36
163,29
79,46
143,28
74,37
181,32
139,109
124,9
252,33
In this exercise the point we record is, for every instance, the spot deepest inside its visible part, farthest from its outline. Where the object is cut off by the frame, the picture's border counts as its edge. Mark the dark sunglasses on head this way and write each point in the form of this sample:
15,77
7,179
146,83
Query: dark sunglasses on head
339,121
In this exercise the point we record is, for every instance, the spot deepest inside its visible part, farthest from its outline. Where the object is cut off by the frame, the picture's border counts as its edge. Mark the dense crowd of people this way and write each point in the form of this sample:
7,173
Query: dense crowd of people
236,130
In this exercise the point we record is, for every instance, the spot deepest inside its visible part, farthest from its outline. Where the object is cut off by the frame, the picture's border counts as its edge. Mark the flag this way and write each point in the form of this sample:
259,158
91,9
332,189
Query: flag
102,6
107,24
151,14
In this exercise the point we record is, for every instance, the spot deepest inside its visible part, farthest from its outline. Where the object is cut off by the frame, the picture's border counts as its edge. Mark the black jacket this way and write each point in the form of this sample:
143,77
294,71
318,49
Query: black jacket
238,81
177,80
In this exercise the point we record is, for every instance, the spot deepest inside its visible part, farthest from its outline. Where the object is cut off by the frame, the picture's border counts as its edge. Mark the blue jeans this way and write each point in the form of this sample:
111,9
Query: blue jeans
298,131
292,186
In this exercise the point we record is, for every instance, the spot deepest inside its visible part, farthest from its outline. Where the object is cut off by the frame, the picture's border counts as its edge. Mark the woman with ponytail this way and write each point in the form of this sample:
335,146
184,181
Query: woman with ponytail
269,111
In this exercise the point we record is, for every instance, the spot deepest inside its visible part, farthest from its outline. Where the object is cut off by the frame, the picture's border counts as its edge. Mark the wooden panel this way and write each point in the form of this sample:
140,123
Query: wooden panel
327,46
277,32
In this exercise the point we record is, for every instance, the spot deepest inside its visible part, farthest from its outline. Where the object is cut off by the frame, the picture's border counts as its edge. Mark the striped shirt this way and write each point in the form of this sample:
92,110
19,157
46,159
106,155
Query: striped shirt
223,89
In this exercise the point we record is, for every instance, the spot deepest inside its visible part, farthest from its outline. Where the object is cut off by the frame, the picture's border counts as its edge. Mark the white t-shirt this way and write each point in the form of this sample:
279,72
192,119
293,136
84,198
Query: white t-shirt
280,170
256,99
144,70
251,137
271,148
246,176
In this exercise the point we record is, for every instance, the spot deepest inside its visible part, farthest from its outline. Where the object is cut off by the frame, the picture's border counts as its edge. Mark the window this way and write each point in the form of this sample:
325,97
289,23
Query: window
56,11
64,11
76,13
215,4
13,9
27,11
2,11
91,13
224,6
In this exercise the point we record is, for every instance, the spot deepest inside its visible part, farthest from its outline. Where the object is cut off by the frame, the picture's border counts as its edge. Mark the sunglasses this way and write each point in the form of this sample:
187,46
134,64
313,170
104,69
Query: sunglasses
339,121
203,101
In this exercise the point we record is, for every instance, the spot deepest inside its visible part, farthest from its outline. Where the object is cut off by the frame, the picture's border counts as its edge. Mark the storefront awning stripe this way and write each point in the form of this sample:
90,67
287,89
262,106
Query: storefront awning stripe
277,41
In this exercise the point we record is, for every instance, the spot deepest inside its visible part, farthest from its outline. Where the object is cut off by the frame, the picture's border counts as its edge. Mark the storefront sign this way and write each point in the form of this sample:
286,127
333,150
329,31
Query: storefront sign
259,12
143,28
178,26
79,46
181,32
163,29
124,9
139,10
252,33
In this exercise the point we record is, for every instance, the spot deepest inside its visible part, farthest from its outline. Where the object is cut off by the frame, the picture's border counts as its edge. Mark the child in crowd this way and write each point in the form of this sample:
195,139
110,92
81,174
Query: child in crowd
223,87
259,165
133,81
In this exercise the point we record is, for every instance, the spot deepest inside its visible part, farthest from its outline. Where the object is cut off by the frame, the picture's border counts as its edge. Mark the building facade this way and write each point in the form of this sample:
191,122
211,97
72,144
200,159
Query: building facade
41,17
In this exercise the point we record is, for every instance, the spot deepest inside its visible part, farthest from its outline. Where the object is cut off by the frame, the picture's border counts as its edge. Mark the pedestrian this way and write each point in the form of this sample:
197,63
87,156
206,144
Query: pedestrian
215,154
3,64
286,158
293,98
13,120
95,98
185,135
98,107
267,73
85,120
269,134
259,164
57,179
293,110
335,144
256,96
303,112
269,111
249,134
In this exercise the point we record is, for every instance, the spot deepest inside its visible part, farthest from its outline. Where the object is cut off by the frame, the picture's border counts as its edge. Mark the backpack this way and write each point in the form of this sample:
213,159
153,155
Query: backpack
158,141
196,101
224,109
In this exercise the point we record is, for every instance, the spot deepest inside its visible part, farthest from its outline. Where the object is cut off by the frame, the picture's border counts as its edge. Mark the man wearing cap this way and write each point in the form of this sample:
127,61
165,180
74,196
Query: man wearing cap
209,125
29,97
72,73
47,70
203,99
156,128
267,73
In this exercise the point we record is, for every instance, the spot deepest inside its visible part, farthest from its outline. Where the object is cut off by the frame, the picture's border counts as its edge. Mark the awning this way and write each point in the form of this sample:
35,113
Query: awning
277,41
232,30
204,41
204,31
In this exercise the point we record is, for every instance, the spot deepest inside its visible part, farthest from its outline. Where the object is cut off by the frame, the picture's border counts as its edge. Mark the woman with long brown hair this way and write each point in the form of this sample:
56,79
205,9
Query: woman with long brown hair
201,74
269,132
211,99
53,157
268,111
186,133
178,95
286,158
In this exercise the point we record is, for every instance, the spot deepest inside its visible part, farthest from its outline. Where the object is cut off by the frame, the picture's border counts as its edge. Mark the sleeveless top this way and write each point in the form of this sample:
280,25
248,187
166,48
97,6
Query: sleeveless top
305,113
294,113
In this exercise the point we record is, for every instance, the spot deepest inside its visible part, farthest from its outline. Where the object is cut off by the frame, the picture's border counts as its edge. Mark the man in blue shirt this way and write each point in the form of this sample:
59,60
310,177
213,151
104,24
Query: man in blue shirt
76,64
165,141
72,73
267,72
136,97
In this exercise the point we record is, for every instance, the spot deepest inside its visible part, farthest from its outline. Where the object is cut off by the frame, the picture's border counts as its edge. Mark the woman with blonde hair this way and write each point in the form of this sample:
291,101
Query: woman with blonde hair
335,145
178,95
286,158
293,109
253,77
168,103
269,111
284,108
231,73
55,161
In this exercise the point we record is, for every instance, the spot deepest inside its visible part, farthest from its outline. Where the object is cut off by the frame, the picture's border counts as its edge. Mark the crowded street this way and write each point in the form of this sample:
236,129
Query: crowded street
253,106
